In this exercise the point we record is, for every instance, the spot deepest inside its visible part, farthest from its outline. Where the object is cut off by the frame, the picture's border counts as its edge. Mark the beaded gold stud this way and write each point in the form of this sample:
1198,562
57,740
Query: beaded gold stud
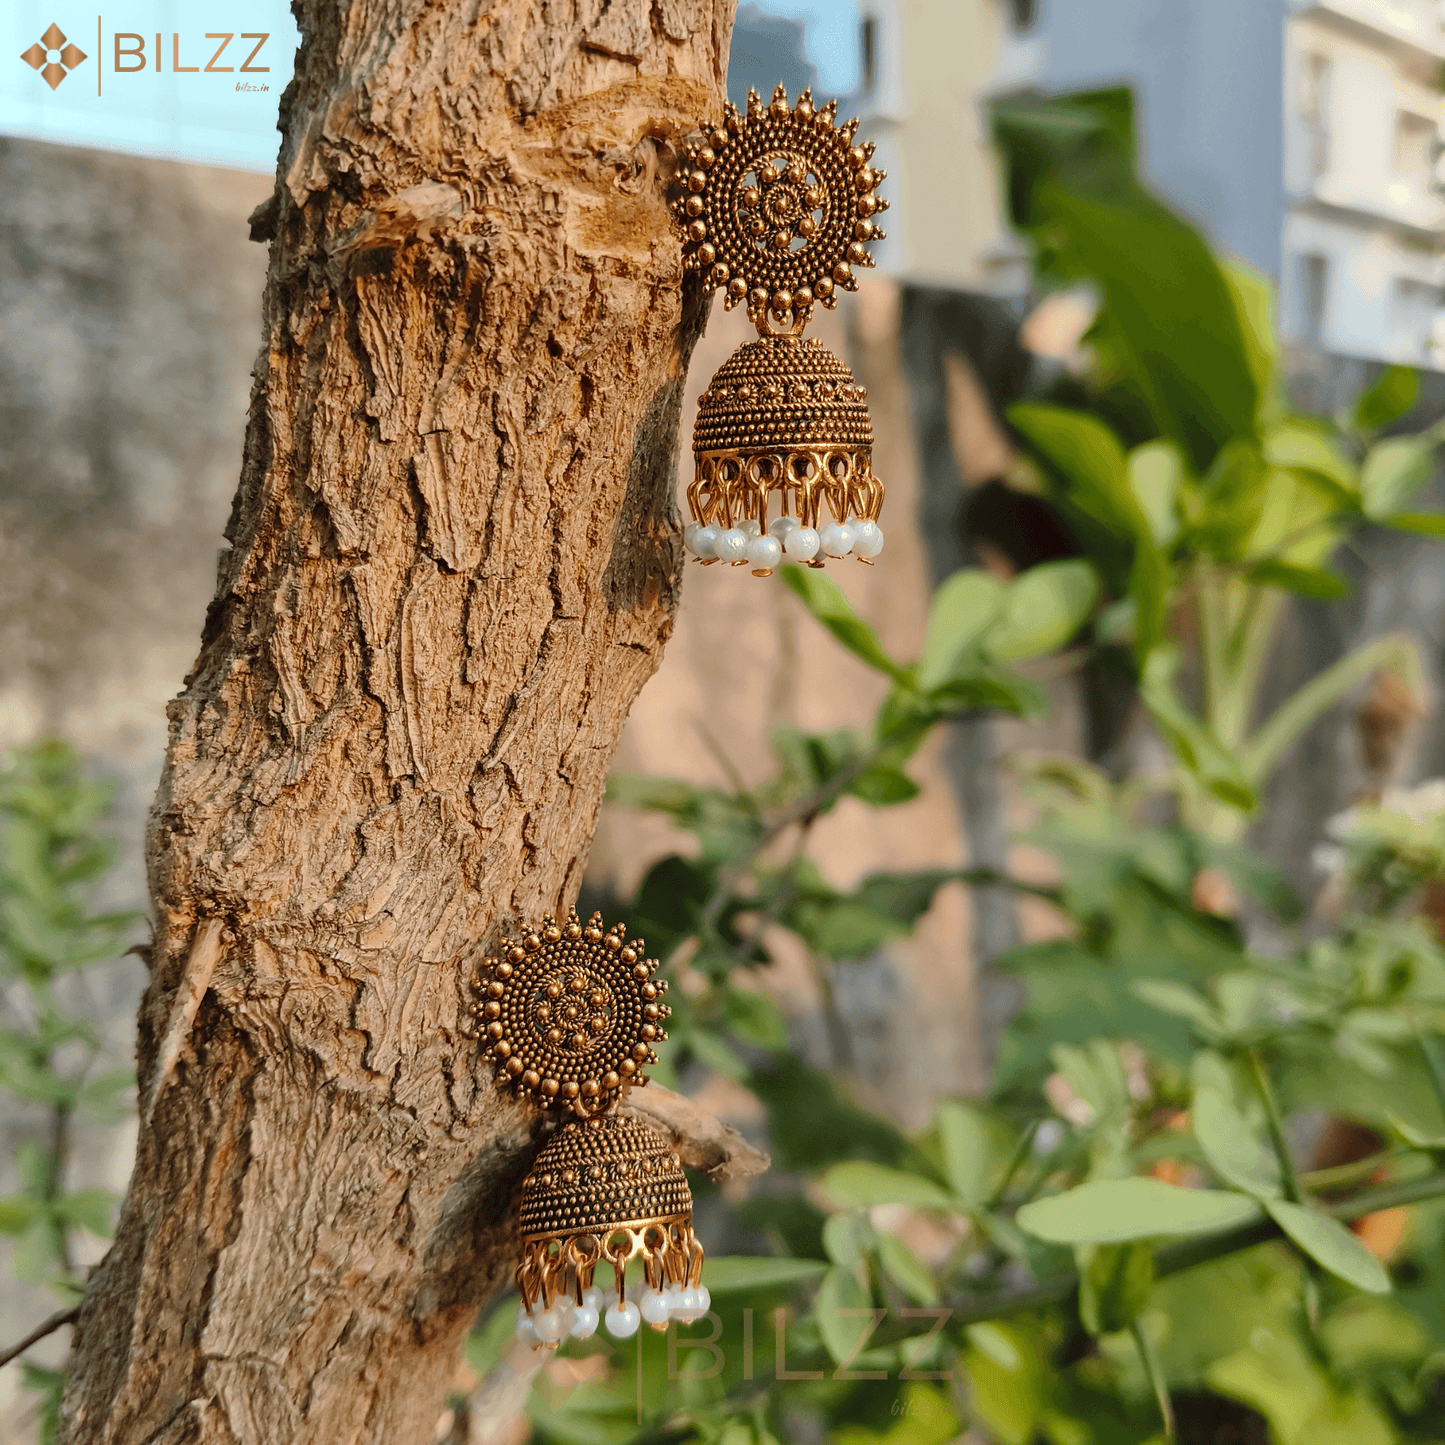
569,1014
777,212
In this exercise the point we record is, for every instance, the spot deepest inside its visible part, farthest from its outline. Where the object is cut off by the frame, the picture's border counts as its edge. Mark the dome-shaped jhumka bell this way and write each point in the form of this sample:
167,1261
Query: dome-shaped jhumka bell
571,1013
777,209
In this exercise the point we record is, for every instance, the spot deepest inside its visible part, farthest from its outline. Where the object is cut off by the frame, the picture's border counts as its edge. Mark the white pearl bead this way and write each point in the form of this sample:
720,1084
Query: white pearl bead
609,1299
751,526
654,1307
802,543
689,536
584,1323
731,546
765,552
525,1330
594,1299
867,539
691,1305
837,539
779,527
551,1324
703,542
672,1294
623,1320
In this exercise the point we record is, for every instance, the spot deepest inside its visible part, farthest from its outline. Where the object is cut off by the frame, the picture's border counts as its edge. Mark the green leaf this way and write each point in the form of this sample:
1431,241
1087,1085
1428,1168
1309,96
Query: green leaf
36,1256
18,1212
1394,471
754,1018
963,1133
884,906
906,1270
1114,1211
91,1209
1234,493
715,1054
1310,454
1330,1244
847,1238
884,786
1042,609
1189,339
963,607
1317,582
1088,461
1231,1147
1392,393
840,1333
1114,1285
825,600
977,685
1180,1000
860,1184
810,1123
1008,1388
1193,742
1424,524
738,1273
994,1342
1155,471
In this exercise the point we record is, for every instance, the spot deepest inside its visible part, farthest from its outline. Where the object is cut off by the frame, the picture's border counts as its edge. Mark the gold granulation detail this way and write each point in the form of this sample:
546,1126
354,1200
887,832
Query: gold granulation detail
569,1014
777,209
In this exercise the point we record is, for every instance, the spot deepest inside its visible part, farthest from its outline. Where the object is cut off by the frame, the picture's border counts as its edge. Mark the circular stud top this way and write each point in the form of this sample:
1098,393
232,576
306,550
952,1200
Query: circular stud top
776,208
569,1013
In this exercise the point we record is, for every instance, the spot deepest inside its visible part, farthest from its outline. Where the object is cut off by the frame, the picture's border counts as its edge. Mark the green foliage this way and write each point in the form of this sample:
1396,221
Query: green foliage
1119,1227
51,855
1187,479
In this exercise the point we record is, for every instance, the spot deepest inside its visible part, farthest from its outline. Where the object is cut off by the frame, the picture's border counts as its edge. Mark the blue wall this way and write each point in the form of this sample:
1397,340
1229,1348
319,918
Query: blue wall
1208,81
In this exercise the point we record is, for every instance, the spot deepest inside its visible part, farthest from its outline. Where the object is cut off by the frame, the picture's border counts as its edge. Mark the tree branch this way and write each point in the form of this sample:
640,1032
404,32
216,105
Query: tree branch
60,1317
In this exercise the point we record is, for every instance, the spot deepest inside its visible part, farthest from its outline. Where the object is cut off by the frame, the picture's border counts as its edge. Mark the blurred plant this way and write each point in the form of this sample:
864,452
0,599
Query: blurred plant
1121,1236
1202,499
51,856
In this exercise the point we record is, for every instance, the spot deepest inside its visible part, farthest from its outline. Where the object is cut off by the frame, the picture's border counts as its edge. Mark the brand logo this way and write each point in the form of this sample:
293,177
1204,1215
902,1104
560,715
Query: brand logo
133,53
53,56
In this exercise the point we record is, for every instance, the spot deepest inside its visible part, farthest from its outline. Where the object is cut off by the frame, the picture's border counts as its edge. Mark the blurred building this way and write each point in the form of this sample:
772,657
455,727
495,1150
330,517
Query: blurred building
1364,233
1301,135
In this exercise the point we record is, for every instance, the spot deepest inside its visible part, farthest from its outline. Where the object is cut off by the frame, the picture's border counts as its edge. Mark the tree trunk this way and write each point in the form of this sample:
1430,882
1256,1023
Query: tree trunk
454,561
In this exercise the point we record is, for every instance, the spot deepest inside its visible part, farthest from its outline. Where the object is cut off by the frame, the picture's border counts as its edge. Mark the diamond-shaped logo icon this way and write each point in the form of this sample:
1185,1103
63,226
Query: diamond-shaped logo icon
53,56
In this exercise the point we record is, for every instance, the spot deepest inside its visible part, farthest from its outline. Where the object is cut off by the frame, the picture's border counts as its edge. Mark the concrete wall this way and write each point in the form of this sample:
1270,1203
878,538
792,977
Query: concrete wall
129,321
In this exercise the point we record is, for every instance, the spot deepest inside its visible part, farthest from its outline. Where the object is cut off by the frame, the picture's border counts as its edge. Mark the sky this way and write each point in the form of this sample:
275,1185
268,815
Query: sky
189,98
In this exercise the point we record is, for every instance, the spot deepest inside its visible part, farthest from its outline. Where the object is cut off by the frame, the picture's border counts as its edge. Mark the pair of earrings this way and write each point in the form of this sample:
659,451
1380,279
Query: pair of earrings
777,214
777,211
569,1015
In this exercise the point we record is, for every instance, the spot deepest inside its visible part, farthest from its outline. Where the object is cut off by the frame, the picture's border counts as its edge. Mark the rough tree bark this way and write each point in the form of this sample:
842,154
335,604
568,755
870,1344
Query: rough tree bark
454,561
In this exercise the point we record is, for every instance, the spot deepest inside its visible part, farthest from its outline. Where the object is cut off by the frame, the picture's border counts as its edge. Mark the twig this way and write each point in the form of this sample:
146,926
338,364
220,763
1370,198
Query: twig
61,1317
701,1140
195,980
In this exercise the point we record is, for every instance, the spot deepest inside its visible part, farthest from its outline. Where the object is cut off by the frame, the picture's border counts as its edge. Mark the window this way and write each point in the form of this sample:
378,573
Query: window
1314,282
1023,13
1414,149
1414,306
868,43
1315,112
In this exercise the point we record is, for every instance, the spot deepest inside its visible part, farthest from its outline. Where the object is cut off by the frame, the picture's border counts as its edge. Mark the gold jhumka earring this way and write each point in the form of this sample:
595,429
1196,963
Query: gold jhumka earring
569,1014
777,211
